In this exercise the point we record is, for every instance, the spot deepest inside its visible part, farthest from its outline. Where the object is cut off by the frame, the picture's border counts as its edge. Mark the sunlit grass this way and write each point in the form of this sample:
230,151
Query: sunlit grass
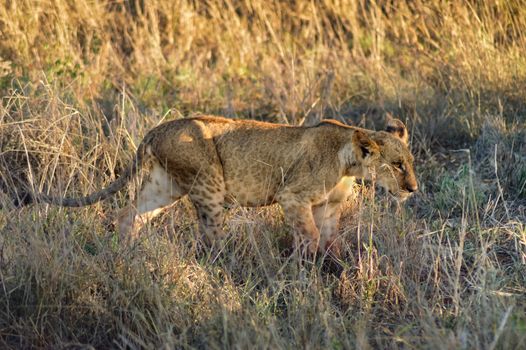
83,81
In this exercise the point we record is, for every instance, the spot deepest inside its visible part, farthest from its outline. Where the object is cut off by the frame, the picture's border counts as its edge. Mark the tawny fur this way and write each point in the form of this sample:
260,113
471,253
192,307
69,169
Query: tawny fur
218,162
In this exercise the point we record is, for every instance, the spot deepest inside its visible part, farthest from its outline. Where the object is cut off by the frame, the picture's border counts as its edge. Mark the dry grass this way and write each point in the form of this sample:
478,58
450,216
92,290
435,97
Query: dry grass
82,81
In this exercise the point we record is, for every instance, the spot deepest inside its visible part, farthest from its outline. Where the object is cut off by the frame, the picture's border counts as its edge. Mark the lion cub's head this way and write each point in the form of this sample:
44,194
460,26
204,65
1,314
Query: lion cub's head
386,158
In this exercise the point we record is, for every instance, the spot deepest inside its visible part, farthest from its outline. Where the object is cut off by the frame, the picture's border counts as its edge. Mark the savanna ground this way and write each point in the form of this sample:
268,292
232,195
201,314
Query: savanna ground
81,83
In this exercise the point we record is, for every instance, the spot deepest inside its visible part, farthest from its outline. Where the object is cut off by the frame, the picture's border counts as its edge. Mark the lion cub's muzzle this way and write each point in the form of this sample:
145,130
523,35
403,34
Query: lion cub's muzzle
406,192
413,187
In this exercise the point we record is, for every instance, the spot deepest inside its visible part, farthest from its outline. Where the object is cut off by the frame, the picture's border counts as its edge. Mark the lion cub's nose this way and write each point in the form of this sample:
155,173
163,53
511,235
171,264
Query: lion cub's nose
412,187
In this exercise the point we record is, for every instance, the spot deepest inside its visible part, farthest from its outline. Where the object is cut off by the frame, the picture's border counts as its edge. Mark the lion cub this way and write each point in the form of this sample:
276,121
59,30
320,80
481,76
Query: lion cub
216,161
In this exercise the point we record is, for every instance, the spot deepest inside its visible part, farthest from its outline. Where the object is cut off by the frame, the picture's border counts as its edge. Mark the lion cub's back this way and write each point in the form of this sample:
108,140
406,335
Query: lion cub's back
252,157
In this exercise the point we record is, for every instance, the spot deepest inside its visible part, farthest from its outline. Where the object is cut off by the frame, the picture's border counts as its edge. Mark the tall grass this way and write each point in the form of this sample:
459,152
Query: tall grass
83,81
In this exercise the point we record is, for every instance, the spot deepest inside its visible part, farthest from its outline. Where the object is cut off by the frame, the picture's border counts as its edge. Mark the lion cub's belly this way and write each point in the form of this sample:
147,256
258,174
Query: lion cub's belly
250,188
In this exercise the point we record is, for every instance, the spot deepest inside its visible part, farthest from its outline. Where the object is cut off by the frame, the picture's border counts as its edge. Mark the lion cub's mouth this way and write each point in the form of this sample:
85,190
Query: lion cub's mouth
401,195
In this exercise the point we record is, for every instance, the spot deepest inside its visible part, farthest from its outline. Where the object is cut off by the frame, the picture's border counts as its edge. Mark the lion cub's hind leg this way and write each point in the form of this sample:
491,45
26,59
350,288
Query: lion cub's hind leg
158,191
208,196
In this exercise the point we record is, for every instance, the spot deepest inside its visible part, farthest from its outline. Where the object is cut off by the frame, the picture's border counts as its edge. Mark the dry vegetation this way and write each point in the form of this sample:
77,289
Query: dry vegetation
81,82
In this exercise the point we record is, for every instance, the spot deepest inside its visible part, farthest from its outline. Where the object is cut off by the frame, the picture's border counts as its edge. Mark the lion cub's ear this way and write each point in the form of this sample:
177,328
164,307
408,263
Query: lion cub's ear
363,146
397,128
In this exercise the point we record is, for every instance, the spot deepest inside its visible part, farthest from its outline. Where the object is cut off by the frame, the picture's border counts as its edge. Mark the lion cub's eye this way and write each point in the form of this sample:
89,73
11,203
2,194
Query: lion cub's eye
398,165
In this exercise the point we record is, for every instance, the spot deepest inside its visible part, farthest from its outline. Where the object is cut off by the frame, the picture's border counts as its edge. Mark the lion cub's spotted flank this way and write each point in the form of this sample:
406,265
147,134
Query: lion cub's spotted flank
216,161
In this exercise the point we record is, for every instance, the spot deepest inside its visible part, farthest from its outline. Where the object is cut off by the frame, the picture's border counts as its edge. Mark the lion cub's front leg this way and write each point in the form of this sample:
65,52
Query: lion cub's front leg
327,218
298,214
327,214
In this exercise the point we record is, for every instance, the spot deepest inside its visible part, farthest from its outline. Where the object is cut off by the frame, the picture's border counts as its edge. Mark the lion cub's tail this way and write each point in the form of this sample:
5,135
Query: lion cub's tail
113,188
